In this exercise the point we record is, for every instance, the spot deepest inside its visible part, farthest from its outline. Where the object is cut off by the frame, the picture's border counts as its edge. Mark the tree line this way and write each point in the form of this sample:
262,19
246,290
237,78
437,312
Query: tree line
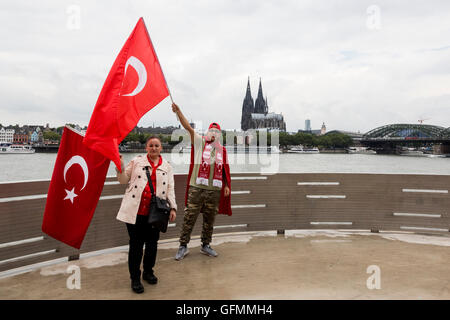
329,141
142,138
334,140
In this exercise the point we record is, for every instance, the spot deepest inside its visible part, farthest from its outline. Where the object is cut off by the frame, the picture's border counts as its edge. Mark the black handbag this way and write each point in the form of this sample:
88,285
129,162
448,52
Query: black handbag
159,211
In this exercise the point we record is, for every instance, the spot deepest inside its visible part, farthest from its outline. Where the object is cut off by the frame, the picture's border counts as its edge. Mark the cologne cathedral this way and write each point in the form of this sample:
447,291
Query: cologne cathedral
257,116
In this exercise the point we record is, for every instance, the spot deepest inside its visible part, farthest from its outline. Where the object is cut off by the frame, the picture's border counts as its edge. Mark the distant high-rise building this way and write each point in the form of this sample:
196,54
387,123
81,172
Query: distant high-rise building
307,125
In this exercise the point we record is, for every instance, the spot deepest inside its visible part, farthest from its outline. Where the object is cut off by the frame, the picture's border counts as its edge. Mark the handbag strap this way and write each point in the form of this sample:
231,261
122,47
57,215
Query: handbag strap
150,181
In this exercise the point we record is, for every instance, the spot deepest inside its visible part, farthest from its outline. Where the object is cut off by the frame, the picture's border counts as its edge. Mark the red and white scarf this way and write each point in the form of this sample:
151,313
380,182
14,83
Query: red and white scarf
205,167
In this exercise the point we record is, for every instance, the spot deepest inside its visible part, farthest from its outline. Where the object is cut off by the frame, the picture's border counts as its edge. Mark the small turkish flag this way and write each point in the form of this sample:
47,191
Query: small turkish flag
134,85
74,190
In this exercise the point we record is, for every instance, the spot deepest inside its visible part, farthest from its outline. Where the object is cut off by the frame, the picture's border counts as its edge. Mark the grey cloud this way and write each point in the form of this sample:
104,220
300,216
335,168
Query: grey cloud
317,60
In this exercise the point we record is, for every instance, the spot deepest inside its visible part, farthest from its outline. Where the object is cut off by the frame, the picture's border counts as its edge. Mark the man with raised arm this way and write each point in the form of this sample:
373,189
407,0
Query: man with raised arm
208,185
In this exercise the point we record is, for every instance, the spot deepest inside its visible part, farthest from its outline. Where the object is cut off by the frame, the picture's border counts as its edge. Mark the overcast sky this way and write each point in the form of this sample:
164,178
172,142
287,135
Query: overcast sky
354,65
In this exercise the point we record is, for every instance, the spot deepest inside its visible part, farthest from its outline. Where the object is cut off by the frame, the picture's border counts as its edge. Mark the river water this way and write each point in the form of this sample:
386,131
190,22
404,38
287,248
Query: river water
39,166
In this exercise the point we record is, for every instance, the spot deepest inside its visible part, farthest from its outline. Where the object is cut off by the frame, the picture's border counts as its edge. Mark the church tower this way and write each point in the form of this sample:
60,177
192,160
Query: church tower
266,107
260,103
247,108
257,115
323,130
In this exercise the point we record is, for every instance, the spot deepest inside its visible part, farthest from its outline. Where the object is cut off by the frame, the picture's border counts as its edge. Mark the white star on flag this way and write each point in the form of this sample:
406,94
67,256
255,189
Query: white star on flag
70,194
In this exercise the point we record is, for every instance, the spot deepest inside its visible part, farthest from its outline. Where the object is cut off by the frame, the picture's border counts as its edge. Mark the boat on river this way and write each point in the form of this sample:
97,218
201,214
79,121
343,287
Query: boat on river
302,149
16,149
360,150
412,152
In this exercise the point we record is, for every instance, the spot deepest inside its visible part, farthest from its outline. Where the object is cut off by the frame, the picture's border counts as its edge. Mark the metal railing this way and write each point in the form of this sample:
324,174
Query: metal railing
415,203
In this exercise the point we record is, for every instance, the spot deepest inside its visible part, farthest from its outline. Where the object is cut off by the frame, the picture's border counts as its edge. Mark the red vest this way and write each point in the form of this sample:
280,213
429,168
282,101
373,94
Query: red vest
146,197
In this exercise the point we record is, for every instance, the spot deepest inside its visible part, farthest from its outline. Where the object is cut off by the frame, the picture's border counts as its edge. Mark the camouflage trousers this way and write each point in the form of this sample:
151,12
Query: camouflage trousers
206,201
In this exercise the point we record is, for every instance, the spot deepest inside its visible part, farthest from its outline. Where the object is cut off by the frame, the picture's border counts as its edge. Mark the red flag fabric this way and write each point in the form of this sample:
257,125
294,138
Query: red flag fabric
134,85
74,190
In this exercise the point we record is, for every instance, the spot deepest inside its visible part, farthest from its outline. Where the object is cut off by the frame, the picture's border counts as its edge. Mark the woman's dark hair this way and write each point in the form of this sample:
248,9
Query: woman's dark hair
152,137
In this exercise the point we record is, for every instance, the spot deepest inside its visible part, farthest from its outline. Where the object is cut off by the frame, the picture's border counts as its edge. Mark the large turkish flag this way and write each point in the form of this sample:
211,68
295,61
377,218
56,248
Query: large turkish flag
74,191
134,85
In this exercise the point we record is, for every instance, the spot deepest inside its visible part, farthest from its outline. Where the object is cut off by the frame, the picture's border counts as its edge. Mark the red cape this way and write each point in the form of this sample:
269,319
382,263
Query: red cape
225,202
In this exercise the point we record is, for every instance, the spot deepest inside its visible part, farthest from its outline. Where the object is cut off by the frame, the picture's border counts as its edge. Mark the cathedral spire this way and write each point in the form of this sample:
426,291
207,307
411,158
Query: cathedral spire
248,107
249,92
260,102
266,106
260,93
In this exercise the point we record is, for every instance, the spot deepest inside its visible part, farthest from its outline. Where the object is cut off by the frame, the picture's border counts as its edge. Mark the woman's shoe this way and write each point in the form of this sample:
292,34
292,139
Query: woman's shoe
137,286
150,278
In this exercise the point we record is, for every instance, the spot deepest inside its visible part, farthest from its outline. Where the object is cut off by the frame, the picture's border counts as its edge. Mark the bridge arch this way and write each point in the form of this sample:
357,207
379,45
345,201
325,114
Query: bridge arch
405,131
445,133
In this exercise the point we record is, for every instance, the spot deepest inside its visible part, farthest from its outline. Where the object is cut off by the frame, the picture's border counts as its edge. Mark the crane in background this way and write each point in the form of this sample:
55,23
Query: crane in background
422,120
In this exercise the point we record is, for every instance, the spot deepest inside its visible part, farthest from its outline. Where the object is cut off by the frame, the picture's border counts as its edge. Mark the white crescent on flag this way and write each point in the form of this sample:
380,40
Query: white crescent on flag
142,74
77,160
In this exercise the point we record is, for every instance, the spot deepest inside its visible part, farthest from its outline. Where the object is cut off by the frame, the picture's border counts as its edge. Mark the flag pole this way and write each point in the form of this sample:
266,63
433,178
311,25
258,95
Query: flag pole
157,58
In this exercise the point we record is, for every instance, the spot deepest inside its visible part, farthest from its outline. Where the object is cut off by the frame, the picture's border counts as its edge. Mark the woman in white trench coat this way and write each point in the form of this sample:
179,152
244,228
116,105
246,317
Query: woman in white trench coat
135,206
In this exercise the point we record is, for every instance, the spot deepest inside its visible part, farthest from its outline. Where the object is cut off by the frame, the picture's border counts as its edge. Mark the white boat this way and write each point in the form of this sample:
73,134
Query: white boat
275,149
438,155
301,149
16,149
360,150
412,152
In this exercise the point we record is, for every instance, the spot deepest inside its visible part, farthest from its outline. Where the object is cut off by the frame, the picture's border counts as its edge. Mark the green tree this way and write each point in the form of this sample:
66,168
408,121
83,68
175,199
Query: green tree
340,140
335,140
52,136
288,139
323,141
131,137
59,130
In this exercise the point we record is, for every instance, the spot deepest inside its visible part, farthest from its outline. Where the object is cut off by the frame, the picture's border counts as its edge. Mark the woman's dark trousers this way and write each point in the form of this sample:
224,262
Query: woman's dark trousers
142,233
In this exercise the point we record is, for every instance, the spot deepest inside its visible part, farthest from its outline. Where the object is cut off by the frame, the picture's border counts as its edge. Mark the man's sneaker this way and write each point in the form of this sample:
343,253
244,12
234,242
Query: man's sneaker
137,286
206,249
182,252
150,278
